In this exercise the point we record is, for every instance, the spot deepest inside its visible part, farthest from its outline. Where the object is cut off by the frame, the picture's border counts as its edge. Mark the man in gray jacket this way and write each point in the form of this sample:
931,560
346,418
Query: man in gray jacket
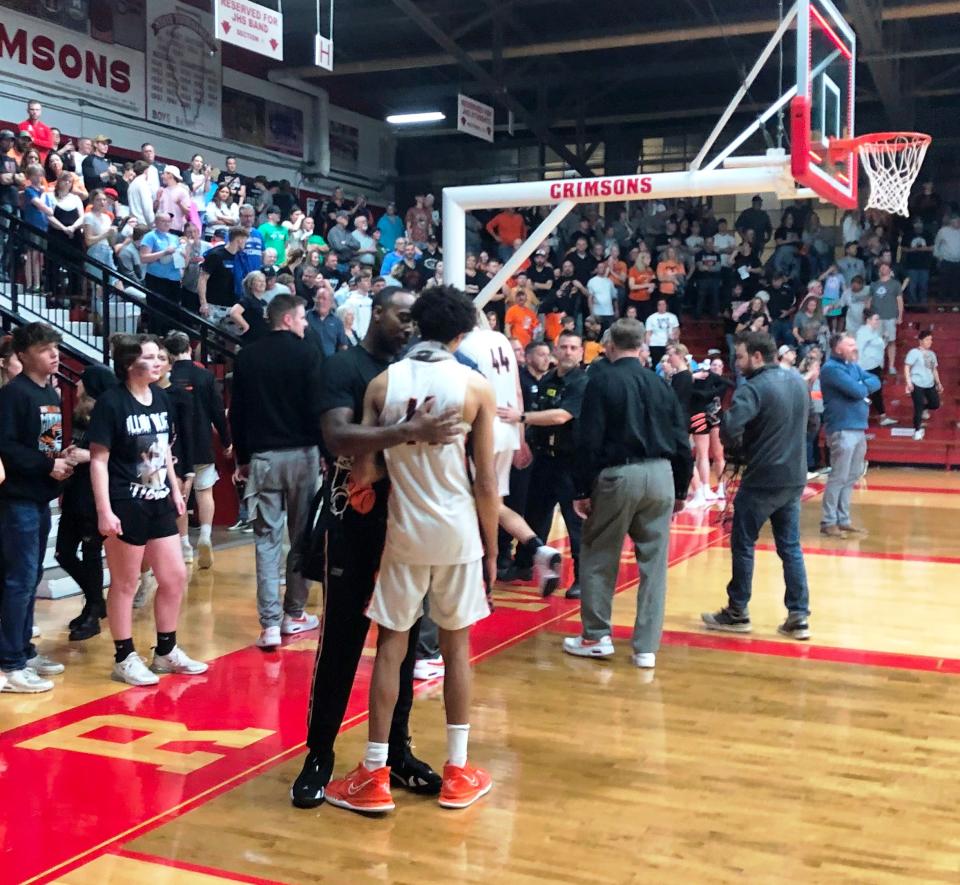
765,429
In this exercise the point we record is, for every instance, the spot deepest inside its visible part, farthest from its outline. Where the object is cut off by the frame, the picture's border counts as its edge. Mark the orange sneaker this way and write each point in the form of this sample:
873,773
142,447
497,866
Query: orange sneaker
463,786
362,790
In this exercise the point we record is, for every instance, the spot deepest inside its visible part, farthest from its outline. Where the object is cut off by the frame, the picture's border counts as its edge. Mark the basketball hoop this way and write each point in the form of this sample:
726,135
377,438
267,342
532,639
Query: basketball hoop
892,161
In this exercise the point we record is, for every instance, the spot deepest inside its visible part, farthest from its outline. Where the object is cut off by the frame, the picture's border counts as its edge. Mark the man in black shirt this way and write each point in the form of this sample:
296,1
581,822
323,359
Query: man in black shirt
234,180
552,434
708,280
633,468
329,270
10,181
757,220
31,439
540,274
349,539
217,286
274,416
584,263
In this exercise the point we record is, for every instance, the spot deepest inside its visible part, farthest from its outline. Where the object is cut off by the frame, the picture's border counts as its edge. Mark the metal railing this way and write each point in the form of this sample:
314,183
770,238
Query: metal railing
77,285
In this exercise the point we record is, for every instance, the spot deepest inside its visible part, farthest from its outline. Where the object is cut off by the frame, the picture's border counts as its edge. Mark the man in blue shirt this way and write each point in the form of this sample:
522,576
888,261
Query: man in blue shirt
164,291
324,328
390,226
845,387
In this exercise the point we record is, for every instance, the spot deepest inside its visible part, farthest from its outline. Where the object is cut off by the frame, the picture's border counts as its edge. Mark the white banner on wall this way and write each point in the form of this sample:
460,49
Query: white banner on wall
183,68
250,26
103,74
474,118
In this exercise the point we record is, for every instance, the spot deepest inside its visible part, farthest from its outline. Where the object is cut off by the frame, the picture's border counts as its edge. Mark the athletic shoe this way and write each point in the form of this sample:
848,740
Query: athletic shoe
177,662
795,626
463,786
35,632
812,475
133,670
518,575
247,528
204,553
588,648
727,620
699,499
546,569
291,625
84,628
308,789
362,790
919,434
887,422
44,666
825,471
645,660
25,681
269,638
710,495
721,492
853,530
573,591
96,609
187,550
413,774
833,531
428,669
147,586
238,526
3,680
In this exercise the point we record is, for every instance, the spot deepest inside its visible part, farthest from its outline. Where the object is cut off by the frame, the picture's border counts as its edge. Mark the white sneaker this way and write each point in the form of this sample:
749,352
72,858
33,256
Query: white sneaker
133,670
35,632
290,625
428,668
546,569
588,648
645,660
3,680
699,499
44,666
812,475
721,492
177,662
710,495
919,434
187,550
25,681
269,638
146,587
887,422
204,553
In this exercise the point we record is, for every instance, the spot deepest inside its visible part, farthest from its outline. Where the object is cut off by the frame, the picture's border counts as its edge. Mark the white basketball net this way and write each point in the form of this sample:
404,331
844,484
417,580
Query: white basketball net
892,163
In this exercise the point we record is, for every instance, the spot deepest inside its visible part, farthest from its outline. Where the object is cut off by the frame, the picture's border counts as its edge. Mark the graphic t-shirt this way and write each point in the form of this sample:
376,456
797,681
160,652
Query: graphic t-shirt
138,437
275,237
883,298
31,437
922,363
660,326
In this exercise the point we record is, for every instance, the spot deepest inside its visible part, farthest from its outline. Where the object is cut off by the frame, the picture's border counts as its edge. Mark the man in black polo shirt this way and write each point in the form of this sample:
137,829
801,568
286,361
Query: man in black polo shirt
540,274
216,287
552,437
633,468
351,530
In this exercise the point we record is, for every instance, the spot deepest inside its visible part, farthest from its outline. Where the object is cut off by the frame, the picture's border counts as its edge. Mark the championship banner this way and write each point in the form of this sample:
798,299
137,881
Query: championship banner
183,68
249,26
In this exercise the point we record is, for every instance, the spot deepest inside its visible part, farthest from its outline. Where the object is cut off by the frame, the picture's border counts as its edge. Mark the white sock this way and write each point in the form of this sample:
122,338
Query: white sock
184,540
376,756
457,737
205,533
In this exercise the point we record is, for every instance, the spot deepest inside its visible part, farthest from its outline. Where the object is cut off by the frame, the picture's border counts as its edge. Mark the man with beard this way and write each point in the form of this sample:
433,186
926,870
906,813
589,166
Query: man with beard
353,523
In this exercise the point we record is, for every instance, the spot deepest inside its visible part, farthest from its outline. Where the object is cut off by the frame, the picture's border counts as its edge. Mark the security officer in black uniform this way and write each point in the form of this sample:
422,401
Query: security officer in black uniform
552,428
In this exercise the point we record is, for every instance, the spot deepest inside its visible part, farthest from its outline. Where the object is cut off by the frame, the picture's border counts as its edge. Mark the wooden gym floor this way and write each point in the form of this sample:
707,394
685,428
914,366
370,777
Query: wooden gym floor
743,759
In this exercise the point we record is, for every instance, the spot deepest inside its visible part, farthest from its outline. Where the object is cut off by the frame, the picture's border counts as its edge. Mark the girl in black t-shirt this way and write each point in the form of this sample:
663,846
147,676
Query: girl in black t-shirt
138,502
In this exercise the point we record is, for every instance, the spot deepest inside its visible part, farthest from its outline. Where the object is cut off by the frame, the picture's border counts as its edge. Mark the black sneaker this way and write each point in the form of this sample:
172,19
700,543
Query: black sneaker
307,789
87,628
574,591
514,574
413,774
795,627
727,620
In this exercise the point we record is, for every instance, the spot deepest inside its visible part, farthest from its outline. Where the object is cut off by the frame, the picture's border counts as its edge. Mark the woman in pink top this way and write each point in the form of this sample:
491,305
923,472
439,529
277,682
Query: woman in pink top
174,199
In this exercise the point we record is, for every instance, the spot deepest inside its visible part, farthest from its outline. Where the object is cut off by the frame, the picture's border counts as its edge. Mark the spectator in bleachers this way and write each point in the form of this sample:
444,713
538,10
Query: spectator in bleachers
128,256
274,235
916,257
157,252
97,170
325,329
708,280
220,214
417,222
946,249
886,298
216,287
923,383
64,237
366,250
253,247
325,212
748,268
39,132
154,168
390,226
928,207
189,259
413,272
672,278
140,198
196,177
662,328
755,219
851,265
342,243
581,259
249,313
174,199
505,227
232,178
602,300
54,168
871,348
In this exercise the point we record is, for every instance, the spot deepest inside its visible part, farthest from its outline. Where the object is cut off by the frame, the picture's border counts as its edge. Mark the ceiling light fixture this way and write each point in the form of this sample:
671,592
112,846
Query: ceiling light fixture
422,117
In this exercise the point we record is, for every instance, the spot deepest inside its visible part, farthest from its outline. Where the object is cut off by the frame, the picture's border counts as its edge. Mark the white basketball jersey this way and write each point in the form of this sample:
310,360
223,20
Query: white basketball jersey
493,354
432,515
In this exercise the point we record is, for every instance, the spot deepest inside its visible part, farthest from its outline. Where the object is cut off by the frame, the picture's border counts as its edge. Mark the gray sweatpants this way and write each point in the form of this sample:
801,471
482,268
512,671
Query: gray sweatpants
848,448
635,500
291,477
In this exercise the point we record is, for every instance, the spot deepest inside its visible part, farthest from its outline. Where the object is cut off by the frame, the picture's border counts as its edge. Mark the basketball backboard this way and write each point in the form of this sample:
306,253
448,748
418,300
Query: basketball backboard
823,108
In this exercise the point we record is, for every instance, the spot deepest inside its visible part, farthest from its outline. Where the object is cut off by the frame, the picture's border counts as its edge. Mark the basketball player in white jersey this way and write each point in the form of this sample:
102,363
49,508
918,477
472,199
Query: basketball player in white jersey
494,356
441,540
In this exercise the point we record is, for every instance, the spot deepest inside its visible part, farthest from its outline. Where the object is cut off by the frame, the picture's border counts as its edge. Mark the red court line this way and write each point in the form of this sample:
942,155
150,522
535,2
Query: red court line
913,490
188,867
867,554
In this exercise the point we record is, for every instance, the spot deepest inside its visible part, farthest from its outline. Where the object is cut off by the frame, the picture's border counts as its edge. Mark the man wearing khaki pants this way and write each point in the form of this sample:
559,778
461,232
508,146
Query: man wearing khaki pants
633,469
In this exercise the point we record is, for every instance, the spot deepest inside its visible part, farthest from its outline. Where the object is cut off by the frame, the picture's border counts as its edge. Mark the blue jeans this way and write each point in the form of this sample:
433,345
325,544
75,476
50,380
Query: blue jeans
751,509
24,527
919,286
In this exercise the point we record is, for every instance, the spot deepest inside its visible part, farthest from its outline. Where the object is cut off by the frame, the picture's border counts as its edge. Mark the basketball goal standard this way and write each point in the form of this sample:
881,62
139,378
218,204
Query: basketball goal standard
824,159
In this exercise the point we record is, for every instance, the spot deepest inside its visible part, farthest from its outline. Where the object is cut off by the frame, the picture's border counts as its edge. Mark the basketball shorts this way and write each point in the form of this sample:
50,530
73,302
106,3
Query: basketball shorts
143,521
206,477
457,595
888,329
502,464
